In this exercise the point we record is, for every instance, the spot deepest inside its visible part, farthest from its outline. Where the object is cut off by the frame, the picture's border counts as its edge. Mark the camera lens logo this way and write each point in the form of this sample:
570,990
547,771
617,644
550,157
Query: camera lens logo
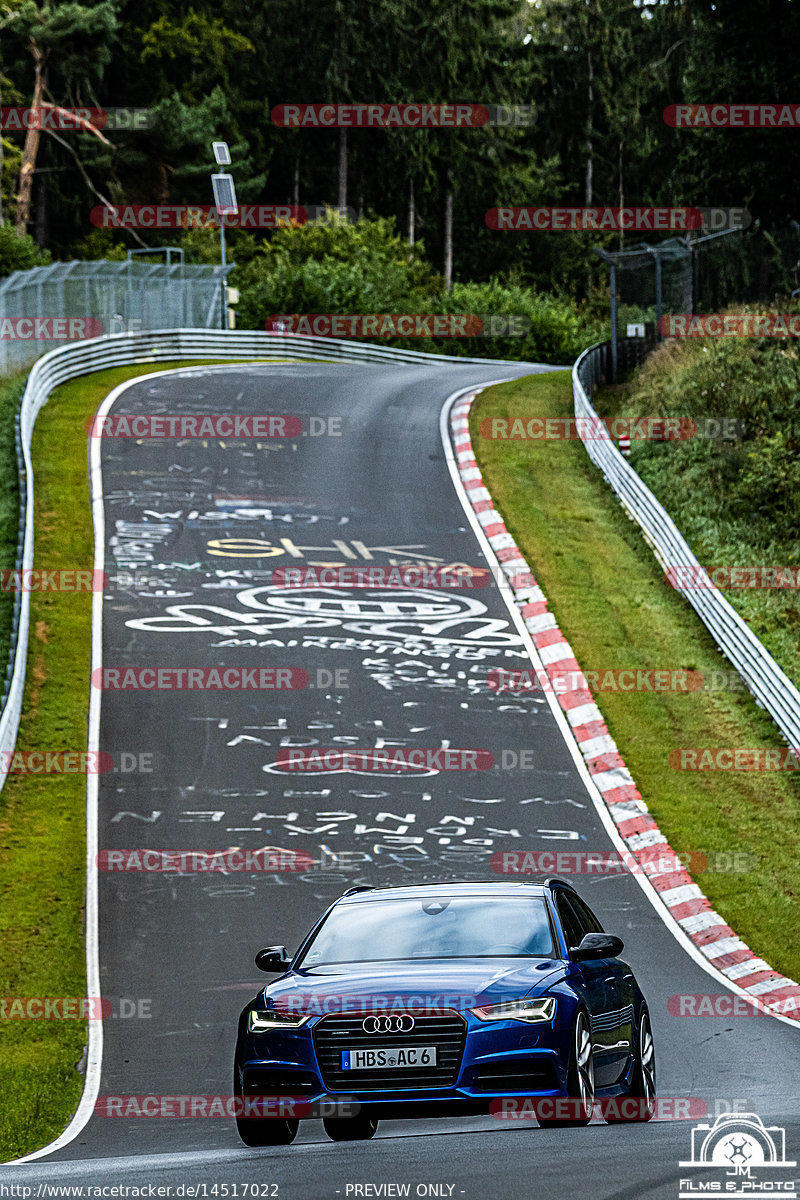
745,1151
393,1023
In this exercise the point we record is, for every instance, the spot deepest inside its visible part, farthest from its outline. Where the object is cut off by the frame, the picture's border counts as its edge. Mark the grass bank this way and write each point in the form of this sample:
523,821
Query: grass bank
42,818
609,597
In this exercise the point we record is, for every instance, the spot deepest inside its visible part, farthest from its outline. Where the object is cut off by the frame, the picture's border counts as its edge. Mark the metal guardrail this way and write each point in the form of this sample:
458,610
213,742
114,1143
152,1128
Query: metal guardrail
765,679
63,364
22,485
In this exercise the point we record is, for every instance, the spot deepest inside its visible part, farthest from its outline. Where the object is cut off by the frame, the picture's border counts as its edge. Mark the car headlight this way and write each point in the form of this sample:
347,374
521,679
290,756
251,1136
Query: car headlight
542,1009
259,1020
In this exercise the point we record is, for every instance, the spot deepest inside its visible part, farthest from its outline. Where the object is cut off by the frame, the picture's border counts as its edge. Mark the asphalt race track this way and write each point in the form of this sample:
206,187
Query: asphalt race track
194,530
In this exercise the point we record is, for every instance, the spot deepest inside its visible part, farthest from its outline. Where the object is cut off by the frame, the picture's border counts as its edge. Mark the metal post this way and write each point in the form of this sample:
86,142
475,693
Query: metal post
224,264
613,323
658,296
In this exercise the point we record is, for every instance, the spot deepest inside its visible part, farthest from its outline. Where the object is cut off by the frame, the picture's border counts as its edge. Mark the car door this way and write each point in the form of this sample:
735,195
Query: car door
612,1028
589,980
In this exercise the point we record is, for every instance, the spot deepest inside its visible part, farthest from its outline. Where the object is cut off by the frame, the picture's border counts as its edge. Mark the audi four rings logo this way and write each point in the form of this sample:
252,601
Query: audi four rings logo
396,1023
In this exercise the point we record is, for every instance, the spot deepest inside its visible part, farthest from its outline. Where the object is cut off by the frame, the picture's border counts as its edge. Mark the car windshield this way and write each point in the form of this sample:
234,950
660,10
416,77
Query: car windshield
462,927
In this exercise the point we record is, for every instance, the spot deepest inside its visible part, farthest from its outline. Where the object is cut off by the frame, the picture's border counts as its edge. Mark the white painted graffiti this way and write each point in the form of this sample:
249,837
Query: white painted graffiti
423,615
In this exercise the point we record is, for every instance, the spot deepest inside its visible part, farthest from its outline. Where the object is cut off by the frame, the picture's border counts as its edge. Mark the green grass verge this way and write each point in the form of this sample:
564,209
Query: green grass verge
737,502
42,818
608,594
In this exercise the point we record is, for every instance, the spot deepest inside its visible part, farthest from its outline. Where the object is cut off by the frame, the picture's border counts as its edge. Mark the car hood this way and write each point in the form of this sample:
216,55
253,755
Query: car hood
443,983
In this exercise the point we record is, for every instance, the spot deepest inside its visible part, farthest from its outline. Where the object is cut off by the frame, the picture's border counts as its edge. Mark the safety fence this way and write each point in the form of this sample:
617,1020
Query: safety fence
42,308
765,679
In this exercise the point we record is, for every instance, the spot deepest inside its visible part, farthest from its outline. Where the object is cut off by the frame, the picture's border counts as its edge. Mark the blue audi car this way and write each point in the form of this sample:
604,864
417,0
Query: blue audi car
444,999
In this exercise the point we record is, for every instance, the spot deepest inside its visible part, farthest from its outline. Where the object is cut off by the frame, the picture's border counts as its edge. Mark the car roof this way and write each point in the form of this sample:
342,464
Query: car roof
484,888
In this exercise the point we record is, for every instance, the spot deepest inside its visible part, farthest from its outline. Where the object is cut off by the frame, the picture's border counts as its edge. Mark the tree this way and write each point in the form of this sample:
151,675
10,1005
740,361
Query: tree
68,42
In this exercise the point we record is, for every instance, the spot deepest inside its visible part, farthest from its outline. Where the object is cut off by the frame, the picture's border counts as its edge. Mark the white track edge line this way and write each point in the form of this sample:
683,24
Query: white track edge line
94,1053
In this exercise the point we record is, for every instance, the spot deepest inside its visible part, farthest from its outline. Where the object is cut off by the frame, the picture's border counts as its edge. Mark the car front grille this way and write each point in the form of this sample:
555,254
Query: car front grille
337,1032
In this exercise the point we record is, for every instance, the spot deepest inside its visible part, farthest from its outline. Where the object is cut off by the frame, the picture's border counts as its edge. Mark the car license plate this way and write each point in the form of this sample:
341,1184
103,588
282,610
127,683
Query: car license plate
398,1056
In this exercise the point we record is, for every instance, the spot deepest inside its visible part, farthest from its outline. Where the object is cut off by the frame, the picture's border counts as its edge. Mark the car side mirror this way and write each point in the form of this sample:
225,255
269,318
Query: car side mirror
273,958
597,945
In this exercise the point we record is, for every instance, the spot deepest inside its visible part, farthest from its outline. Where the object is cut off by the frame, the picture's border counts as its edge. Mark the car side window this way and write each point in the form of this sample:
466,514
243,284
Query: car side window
589,922
569,920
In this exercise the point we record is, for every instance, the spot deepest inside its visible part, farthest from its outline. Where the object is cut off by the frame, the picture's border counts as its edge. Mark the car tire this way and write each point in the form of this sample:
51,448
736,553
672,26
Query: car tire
263,1131
580,1078
643,1081
267,1131
350,1129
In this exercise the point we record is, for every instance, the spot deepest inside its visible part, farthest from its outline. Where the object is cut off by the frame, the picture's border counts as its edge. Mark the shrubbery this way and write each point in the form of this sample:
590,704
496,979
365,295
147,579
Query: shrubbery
737,501
335,267
19,253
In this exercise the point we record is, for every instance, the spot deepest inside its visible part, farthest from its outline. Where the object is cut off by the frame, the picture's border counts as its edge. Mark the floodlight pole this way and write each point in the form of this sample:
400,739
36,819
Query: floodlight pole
224,274
223,157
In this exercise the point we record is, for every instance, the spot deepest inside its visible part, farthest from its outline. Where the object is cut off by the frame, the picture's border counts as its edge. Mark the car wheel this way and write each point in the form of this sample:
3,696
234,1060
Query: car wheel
350,1129
580,1079
640,1102
263,1131
267,1131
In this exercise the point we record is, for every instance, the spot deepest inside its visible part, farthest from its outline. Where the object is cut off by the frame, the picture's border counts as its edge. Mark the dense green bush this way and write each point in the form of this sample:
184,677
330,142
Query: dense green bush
19,253
336,267
557,331
737,501
333,267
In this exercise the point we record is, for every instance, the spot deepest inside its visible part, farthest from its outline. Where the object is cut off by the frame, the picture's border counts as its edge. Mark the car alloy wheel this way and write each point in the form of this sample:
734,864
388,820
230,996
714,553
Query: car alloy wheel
580,1079
640,1102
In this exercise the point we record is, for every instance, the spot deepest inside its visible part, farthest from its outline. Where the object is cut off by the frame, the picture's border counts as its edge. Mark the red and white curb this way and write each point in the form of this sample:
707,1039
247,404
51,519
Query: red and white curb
686,903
